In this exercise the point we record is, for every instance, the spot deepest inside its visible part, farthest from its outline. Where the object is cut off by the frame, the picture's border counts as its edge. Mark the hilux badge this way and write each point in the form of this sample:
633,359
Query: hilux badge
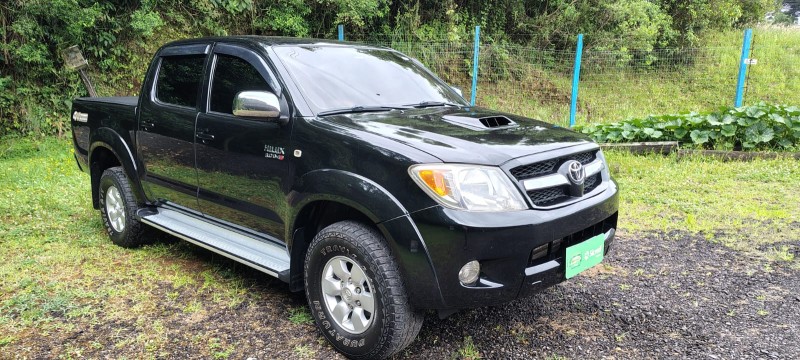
576,172
273,152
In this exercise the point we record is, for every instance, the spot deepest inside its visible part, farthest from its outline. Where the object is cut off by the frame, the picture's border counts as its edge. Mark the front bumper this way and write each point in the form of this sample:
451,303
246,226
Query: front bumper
504,244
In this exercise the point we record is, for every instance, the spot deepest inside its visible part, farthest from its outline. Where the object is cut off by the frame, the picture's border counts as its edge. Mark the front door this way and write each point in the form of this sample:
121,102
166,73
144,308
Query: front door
242,164
167,126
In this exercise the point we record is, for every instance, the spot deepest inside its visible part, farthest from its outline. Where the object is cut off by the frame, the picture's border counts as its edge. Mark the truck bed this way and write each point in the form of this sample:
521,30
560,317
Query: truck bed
117,113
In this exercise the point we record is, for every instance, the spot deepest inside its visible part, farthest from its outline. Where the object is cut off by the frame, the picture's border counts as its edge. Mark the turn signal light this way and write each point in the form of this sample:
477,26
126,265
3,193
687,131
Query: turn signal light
435,181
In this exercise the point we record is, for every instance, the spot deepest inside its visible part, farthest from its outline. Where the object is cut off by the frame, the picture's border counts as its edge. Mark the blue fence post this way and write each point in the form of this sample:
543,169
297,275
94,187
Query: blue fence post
576,75
748,38
341,32
475,65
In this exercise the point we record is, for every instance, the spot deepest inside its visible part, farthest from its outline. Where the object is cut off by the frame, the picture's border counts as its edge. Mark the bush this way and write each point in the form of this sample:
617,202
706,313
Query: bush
757,127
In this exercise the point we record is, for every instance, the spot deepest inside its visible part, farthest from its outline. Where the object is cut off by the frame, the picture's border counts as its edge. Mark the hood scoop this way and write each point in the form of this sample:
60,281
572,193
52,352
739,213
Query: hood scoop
481,123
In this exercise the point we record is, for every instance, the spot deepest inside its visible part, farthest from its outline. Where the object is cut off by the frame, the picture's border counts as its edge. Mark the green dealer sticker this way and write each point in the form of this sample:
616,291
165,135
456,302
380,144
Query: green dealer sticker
584,255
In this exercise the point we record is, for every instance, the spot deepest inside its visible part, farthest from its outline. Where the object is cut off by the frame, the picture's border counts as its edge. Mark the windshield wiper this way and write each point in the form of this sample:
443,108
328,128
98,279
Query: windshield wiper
360,109
425,104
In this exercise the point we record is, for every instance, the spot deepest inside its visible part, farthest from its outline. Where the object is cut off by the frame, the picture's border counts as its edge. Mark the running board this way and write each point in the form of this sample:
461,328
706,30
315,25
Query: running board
259,254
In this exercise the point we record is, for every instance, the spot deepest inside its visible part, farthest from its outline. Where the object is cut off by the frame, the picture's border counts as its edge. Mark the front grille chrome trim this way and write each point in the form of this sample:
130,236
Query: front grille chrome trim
548,181
545,182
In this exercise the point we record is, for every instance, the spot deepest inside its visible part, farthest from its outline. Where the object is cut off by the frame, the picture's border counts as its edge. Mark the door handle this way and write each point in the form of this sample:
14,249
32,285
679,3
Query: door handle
204,137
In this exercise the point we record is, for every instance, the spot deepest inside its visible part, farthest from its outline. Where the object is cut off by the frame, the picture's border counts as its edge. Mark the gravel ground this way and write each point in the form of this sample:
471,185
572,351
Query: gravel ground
656,296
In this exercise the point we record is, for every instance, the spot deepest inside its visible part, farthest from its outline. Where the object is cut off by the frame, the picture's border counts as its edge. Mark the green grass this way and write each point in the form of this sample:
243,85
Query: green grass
60,270
740,204
60,273
299,316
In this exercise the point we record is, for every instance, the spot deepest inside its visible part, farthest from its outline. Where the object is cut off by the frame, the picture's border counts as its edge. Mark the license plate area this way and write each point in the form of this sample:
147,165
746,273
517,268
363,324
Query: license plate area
584,255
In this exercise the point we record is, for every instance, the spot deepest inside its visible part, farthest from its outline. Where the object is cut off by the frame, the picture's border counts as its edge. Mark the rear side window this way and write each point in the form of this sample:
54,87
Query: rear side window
231,76
179,79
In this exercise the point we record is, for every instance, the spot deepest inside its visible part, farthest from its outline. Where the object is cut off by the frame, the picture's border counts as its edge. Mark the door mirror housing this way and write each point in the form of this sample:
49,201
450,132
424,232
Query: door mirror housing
257,104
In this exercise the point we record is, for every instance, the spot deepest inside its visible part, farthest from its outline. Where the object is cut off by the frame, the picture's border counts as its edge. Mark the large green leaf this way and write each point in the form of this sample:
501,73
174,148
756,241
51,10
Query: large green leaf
728,130
714,119
699,136
759,132
777,118
755,112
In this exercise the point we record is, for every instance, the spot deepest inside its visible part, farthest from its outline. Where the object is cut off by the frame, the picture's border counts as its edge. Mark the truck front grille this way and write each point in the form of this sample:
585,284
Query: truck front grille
545,197
555,195
548,167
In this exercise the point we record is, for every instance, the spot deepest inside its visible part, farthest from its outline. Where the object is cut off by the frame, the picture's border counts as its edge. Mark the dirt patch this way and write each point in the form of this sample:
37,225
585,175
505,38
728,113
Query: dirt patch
656,296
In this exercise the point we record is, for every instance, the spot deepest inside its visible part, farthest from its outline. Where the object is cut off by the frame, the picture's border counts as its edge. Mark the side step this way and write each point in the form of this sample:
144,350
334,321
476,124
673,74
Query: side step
259,254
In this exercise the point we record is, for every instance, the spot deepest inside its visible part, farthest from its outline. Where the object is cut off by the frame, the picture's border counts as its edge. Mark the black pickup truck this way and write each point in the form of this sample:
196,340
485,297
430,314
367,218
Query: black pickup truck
351,172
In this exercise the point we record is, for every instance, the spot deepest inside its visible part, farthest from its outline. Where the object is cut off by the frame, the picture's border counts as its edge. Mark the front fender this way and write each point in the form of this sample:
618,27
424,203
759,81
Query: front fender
387,213
347,188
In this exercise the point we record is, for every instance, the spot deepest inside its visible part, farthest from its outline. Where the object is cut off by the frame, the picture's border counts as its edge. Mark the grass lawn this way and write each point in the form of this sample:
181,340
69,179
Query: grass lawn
61,273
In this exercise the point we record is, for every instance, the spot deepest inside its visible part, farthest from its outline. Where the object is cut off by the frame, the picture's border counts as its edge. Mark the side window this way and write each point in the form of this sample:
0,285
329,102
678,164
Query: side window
179,79
231,76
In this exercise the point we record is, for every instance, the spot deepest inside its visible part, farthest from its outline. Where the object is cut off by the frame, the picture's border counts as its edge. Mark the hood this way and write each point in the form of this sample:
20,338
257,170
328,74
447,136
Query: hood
463,135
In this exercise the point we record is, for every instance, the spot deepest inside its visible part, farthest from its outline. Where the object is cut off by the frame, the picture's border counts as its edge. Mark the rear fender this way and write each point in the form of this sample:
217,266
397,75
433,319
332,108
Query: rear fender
109,139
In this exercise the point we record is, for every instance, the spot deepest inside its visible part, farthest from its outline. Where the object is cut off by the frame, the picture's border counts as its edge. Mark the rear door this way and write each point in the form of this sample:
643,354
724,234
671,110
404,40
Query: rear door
242,164
167,124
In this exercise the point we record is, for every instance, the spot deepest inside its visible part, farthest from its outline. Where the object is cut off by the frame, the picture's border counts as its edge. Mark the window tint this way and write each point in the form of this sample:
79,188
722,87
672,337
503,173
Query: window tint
179,79
233,75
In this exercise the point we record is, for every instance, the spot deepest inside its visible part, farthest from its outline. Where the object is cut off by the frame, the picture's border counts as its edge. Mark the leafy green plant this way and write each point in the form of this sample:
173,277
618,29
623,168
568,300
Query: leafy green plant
756,127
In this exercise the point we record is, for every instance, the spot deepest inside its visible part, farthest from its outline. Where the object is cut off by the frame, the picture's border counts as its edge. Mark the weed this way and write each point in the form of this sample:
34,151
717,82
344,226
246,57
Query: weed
6,340
304,351
782,253
219,352
468,351
762,312
193,307
299,316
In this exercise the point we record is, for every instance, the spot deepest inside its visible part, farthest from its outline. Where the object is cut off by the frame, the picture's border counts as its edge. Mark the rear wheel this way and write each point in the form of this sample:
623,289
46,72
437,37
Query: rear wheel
356,293
118,210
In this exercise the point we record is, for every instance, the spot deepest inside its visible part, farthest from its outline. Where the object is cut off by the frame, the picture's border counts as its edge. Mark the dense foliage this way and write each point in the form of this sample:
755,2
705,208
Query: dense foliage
119,36
757,127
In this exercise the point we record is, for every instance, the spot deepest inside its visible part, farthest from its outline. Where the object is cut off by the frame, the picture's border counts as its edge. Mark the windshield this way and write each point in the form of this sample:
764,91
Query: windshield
333,77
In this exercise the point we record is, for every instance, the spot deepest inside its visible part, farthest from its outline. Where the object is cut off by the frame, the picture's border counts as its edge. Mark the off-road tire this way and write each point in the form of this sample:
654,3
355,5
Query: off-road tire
132,232
395,324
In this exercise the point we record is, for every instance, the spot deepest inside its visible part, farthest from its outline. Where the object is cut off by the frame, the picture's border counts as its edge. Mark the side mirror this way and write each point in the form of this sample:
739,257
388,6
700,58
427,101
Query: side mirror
257,104
458,91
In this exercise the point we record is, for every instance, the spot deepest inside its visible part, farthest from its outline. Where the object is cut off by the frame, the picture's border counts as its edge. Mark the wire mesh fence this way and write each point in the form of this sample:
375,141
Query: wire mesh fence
613,85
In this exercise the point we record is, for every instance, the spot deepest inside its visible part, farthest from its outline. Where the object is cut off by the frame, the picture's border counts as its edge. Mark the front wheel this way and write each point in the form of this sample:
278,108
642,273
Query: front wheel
356,293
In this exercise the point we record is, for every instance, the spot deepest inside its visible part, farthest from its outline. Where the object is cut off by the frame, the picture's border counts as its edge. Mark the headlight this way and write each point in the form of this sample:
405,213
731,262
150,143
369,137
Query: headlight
468,187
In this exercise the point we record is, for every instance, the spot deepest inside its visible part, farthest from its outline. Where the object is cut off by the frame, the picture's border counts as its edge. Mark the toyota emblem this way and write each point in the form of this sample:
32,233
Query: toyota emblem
576,172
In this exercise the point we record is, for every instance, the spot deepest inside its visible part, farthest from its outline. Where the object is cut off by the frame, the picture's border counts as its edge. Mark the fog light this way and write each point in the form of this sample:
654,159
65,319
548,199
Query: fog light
468,274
